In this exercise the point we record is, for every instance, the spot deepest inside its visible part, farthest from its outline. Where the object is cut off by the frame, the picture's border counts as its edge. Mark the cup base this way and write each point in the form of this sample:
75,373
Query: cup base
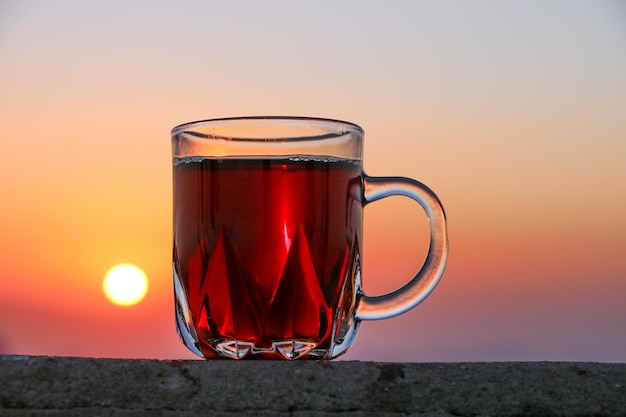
288,349
342,334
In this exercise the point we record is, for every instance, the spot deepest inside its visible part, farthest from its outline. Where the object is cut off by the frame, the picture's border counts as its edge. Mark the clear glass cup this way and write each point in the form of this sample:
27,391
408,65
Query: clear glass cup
268,215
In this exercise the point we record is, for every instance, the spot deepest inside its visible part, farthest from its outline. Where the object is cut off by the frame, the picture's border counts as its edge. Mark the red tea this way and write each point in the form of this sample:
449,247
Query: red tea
265,254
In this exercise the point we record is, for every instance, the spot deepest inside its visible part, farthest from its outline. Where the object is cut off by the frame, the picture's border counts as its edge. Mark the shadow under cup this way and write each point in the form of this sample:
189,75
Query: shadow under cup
267,238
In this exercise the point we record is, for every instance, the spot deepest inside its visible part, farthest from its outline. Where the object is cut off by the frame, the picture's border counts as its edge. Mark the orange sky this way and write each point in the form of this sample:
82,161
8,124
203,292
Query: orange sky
512,114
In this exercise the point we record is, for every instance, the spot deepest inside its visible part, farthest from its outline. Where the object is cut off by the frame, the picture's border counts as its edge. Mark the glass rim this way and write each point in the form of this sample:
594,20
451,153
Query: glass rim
306,119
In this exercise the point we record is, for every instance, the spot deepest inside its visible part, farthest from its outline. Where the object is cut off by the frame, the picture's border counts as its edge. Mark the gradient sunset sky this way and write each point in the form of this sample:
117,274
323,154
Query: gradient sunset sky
514,113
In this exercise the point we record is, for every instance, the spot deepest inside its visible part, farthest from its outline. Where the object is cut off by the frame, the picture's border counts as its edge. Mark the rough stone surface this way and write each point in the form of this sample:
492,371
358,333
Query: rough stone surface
61,386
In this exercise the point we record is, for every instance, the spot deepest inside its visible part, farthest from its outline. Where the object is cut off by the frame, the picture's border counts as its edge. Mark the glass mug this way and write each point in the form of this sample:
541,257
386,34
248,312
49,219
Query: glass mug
268,215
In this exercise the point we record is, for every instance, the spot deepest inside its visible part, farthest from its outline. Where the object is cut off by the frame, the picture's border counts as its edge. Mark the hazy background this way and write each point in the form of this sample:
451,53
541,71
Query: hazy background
513,112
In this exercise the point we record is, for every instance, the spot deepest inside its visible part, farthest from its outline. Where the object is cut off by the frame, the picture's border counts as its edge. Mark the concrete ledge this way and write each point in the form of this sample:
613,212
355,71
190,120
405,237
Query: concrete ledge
57,386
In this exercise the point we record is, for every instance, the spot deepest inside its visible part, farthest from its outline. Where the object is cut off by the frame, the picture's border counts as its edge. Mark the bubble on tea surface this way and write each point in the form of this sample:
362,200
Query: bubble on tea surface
188,160
322,158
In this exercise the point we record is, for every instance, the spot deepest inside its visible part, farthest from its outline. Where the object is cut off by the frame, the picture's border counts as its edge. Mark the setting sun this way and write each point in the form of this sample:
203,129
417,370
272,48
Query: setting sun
125,284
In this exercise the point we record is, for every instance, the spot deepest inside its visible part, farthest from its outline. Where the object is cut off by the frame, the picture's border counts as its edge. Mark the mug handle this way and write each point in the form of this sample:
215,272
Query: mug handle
422,284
